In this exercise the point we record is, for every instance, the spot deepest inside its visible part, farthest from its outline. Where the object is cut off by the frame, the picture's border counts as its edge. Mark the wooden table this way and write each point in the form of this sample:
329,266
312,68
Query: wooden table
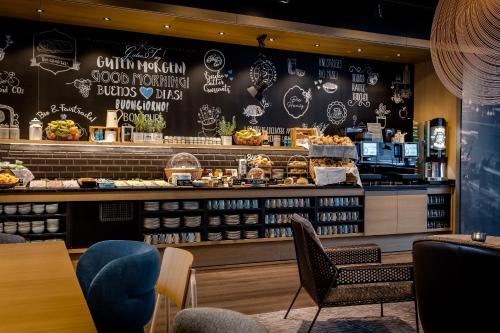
39,290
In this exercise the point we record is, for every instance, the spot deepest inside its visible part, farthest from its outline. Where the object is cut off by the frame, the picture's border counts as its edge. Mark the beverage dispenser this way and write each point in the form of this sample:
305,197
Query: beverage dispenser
435,149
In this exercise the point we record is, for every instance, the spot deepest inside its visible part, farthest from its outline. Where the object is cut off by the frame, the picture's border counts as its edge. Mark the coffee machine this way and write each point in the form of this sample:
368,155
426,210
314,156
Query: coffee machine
435,150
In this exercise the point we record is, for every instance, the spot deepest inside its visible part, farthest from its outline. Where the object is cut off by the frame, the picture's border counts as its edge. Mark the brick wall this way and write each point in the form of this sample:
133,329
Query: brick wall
107,161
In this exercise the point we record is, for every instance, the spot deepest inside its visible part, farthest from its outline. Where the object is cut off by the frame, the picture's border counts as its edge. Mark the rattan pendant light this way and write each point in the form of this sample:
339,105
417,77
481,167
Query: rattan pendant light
465,48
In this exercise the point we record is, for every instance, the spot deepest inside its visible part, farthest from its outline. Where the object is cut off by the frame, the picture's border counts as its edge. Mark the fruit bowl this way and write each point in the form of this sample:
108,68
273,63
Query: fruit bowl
64,130
7,180
248,137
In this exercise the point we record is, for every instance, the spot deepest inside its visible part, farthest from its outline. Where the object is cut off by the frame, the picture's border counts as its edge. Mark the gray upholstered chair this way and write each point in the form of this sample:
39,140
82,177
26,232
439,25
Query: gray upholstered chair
346,276
9,239
212,320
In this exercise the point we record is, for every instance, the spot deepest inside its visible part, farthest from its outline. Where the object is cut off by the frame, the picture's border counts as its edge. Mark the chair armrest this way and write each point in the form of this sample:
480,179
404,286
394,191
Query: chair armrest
376,273
357,254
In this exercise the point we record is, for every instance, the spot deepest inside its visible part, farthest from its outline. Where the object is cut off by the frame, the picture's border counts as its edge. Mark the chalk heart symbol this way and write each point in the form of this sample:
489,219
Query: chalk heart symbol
146,92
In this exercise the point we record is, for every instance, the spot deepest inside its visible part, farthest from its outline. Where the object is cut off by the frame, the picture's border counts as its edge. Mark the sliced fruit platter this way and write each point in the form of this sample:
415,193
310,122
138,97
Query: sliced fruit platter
8,180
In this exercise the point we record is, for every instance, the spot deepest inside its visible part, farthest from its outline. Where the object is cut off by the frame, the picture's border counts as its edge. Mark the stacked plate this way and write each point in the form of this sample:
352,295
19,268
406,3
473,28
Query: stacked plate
171,222
1,227
251,218
24,209
10,227
190,205
214,220
151,206
251,234
214,236
232,235
37,227
192,221
170,205
231,219
151,222
24,227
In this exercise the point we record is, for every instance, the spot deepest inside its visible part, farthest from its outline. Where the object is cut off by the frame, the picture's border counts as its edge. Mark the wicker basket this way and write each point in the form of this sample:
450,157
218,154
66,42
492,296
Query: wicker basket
195,173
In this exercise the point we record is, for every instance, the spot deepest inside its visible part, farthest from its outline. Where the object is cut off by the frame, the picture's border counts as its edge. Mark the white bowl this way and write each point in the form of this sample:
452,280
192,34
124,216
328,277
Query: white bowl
38,229
10,209
38,209
52,208
52,228
24,210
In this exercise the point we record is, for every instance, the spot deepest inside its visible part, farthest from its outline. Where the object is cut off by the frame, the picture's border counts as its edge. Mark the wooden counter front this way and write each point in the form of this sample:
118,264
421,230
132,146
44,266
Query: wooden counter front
19,196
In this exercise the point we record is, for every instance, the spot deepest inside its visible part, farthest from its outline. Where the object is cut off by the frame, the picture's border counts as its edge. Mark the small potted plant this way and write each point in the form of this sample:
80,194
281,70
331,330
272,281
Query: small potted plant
159,125
149,130
140,127
226,131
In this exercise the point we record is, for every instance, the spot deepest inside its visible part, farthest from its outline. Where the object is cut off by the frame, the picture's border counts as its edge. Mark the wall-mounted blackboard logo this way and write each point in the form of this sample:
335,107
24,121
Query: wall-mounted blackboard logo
143,51
359,92
208,117
296,101
336,112
253,111
83,86
215,80
8,42
54,51
263,71
10,84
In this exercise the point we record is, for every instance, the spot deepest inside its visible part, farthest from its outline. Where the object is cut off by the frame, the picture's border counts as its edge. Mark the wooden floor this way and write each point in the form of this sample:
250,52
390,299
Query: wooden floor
255,289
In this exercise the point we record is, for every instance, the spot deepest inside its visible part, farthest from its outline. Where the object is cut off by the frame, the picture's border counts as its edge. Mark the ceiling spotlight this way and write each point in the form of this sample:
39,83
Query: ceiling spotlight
286,2
360,50
316,45
222,33
398,55
166,26
271,39
107,18
39,10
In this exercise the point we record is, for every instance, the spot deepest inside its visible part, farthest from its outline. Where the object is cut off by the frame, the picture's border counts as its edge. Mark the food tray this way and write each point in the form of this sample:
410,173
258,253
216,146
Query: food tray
195,173
333,151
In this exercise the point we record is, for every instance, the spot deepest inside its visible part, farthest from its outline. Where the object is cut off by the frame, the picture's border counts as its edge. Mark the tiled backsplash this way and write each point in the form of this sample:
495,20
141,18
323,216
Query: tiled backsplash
124,161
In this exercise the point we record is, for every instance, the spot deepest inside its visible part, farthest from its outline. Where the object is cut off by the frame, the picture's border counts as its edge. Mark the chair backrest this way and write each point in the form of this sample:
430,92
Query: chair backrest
317,272
118,279
10,239
174,277
456,279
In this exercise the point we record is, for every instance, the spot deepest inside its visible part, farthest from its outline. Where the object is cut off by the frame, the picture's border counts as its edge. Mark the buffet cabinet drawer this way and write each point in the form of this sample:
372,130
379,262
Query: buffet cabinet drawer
381,212
412,212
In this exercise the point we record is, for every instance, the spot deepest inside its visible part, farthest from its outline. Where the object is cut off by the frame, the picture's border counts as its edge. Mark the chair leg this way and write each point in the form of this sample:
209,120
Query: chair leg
314,320
193,293
293,301
416,317
155,314
381,309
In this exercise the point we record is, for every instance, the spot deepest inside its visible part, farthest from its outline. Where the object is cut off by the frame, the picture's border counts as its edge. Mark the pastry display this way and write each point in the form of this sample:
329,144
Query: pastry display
248,137
297,171
261,161
297,164
302,181
331,140
288,181
70,184
331,162
54,184
38,183
121,183
256,173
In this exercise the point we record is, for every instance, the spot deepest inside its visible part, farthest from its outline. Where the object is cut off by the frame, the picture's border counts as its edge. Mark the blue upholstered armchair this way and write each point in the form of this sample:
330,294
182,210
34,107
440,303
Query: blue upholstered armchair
118,279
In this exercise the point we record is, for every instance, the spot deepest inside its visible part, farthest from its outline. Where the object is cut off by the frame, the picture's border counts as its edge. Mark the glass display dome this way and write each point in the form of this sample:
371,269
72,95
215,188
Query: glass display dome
256,173
184,161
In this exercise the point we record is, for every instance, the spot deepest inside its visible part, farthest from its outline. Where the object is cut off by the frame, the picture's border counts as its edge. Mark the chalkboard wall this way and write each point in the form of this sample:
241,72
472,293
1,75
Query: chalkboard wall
47,70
